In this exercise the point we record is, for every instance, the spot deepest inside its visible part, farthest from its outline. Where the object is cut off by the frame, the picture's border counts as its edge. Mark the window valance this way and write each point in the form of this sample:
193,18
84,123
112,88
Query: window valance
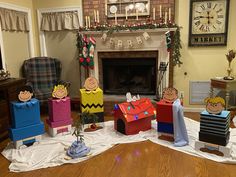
12,20
56,21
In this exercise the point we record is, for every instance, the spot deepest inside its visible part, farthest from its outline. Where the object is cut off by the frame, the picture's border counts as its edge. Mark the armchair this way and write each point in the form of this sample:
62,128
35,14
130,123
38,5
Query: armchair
42,73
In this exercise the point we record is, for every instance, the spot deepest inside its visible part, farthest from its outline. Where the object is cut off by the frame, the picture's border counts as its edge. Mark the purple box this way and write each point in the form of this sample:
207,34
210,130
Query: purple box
59,109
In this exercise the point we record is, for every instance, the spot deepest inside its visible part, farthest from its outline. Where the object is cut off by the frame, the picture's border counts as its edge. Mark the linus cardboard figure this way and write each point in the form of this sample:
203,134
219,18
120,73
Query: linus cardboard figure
215,105
25,93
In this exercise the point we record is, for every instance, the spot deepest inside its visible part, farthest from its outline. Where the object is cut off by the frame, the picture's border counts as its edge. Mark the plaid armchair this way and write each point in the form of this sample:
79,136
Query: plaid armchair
42,73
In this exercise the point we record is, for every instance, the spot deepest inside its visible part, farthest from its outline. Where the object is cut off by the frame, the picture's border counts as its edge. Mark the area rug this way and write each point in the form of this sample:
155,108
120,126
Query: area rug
50,152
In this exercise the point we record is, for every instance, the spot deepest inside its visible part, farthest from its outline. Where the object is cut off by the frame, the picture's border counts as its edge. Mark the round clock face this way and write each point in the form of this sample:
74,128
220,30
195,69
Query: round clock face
208,17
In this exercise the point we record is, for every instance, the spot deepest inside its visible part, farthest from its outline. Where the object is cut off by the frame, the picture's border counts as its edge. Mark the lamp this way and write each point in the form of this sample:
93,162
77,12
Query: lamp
230,56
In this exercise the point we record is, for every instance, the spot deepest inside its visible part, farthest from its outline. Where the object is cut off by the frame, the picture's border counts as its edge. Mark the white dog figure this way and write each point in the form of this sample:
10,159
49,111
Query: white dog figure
129,97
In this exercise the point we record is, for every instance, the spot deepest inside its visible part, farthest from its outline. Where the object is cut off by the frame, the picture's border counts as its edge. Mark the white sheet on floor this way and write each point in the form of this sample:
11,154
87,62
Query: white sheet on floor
51,152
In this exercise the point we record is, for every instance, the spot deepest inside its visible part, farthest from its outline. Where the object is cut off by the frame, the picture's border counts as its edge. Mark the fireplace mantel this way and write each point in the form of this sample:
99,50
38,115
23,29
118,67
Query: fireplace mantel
156,42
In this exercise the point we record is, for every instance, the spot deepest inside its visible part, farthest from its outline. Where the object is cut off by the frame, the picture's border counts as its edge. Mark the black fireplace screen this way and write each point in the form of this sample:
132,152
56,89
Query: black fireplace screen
135,75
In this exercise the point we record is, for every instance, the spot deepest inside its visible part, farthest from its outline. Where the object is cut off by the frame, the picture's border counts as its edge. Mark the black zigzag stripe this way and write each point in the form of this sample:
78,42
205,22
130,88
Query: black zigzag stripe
92,105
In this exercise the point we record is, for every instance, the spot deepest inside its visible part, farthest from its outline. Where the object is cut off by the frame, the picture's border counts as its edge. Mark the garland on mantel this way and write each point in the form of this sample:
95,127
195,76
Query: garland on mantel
109,29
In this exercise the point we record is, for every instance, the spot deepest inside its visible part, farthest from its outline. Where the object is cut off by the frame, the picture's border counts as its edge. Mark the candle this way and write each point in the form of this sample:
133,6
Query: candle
95,19
169,14
160,12
115,19
97,16
154,13
89,21
136,14
126,13
106,7
86,21
165,17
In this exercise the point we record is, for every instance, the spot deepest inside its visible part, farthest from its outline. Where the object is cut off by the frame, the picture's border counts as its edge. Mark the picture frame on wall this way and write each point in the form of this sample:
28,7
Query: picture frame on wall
208,22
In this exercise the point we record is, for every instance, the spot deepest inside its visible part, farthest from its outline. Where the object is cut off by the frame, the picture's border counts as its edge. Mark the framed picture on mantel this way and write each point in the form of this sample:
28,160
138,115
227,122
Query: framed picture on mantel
208,22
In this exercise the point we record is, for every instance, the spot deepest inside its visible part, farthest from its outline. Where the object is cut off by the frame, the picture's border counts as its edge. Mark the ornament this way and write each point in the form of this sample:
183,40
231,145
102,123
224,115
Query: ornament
130,43
139,40
146,36
112,42
104,37
119,43
168,40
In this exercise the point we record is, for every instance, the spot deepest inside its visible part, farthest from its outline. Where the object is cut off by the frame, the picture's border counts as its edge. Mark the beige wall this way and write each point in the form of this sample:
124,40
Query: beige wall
201,63
16,51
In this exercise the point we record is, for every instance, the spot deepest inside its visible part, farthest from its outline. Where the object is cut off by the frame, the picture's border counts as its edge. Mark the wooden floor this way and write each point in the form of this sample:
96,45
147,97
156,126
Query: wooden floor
143,159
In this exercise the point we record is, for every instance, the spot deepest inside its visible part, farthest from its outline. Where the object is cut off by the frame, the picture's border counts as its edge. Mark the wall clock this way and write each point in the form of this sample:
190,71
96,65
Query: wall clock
208,22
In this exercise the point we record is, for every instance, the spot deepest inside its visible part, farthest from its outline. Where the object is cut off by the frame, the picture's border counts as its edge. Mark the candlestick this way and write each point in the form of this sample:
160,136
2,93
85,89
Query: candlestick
160,12
169,14
126,14
165,17
89,21
94,13
86,21
98,16
154,13
115,19
106,7
136,14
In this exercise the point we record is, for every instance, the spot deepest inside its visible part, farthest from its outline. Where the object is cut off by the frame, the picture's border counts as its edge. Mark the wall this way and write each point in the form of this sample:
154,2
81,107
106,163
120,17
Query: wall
201,63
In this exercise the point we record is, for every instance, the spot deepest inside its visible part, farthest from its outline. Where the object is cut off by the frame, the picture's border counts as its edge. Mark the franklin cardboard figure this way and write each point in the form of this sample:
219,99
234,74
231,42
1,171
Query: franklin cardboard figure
215,105
25,93
170,94
91,84
59,91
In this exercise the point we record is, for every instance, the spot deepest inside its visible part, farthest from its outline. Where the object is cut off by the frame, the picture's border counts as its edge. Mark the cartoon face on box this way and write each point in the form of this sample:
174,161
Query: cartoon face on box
170,94
215,105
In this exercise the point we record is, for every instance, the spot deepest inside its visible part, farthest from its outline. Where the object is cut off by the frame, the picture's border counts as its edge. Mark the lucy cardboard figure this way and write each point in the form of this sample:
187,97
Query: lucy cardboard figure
27,127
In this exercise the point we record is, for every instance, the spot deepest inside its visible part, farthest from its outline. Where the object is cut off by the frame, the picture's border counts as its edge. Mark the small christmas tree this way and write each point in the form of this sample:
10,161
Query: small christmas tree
77,131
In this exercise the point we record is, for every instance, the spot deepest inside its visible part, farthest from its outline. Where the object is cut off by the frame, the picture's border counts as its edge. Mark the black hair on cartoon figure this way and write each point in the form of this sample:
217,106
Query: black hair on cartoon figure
25,93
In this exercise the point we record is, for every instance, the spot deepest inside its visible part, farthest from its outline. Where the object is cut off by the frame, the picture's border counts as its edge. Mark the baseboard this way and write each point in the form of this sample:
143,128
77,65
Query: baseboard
188,109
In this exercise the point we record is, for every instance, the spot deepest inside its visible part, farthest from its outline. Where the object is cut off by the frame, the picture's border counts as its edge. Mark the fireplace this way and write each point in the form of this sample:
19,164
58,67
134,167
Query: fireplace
128,71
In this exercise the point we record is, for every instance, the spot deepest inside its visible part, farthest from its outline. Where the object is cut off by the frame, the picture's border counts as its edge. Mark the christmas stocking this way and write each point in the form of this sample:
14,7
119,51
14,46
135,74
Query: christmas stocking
91,49
84,54
168,41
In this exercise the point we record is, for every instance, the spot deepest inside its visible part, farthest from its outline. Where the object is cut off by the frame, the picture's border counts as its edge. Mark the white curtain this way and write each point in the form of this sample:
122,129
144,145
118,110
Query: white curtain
56,21
12,20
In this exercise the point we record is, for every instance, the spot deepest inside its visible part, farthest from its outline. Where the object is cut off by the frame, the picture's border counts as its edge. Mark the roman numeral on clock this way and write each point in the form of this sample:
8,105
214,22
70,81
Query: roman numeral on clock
209,5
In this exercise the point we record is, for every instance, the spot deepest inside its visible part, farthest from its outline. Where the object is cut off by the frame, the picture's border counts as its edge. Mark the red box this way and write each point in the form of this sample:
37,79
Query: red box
164,112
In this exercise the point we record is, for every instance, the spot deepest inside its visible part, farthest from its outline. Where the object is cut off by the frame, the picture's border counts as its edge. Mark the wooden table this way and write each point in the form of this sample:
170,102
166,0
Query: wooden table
224,85
8,93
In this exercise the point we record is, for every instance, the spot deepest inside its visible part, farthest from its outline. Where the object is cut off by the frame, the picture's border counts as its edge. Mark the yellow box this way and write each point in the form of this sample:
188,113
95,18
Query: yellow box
91,101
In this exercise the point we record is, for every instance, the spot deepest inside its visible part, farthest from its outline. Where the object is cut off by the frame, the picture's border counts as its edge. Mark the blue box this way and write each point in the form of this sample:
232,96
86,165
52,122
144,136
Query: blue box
26,132
165,127
25,113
